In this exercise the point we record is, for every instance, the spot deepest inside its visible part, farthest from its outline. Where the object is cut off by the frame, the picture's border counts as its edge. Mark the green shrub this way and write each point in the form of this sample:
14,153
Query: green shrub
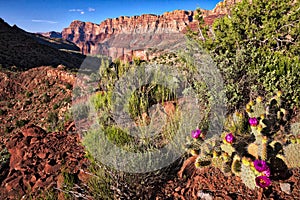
27,102
46,98
55,106
52,117
257,49
21,123
29,94
118,136
69,86
80,111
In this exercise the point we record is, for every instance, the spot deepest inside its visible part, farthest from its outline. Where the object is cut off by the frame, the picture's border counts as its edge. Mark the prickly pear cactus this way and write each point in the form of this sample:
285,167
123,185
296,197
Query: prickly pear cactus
236,165
295,128
235,123
248,176
203,161
257,109
253,150
291,155
217,162
227,148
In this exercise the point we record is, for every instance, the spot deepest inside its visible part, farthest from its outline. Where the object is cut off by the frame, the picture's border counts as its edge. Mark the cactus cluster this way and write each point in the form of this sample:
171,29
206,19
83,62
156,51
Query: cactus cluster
249,144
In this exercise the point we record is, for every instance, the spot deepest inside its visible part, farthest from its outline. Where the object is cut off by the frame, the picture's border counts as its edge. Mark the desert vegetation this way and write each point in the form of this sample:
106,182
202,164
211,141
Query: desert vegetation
257,52
136,108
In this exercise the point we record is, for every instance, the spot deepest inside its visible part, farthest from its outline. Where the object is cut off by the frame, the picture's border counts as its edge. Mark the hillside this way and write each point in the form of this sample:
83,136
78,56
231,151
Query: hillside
26,50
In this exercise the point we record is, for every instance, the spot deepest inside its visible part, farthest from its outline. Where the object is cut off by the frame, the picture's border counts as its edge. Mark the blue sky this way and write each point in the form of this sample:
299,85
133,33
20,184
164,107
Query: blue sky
46,15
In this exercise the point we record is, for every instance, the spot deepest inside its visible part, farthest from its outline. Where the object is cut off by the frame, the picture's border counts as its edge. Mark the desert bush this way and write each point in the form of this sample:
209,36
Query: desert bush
69,86
2,112
46,98
80,111
28,94
55,106
21,123
52,119
257,50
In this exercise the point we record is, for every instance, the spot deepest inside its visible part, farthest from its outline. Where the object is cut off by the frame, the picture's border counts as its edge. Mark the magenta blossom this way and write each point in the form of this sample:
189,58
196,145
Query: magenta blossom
267,172
229,138
253,121
262,181
196,133
260,165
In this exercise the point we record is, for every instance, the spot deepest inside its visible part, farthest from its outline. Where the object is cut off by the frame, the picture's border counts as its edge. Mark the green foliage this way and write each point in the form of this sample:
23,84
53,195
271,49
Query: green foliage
146,96
69,86
21,123
257,49
52,117
80,111
46,98
99,183
55,106
69,182
4,159
2,112
76,92
28,94
118,136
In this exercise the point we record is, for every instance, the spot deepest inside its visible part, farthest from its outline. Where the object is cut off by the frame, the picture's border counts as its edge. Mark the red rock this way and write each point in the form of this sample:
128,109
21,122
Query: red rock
16,158
33,131
49,169
149,31
41,155
83,176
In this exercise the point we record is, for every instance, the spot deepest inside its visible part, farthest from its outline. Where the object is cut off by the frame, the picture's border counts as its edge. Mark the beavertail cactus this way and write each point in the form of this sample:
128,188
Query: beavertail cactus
248,175
228,149
291,155
253,150
257,109
203,161
295,128
236,165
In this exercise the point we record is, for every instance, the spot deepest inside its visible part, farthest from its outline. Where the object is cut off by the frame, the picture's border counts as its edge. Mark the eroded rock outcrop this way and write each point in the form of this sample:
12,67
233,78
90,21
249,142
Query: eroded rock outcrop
127,37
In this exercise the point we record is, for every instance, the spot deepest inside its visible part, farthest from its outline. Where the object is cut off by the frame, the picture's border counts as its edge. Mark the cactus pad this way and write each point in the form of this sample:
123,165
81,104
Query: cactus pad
292,156
248,176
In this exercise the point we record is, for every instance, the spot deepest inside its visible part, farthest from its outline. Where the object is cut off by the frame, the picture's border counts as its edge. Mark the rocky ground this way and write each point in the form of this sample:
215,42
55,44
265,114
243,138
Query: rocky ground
41,161
211,183
40,96
35,161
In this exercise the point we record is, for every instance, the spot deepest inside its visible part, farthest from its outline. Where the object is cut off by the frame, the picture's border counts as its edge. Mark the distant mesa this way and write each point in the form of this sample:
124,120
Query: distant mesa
52,34
28,50
127,37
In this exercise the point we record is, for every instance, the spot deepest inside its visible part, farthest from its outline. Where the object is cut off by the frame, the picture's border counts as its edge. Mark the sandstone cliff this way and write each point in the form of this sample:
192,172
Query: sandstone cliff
126,37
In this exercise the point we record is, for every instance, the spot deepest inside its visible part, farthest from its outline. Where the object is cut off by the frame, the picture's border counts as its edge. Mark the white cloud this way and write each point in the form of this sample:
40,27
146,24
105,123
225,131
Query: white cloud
75,10
92,9
44,21
82,12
